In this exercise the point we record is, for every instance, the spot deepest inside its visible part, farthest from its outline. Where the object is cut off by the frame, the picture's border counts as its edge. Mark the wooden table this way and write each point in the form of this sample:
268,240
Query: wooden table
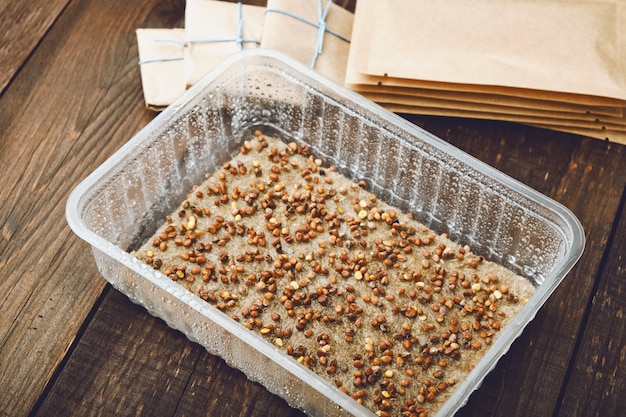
70,95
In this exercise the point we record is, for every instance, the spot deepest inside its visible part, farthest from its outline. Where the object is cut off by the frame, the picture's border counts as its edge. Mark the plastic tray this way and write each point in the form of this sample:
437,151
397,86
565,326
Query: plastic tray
122,202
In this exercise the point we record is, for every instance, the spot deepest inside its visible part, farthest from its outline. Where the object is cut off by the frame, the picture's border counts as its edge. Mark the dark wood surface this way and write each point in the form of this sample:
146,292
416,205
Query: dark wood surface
70,95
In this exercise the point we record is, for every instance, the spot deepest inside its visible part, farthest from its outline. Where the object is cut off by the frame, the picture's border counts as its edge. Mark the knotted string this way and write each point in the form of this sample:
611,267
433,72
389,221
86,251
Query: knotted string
239,39
322,14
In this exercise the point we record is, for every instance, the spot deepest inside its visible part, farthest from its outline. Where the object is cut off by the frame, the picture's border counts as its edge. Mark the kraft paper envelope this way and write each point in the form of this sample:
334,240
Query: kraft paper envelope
506,101
161,65
596,130
216,30
354,81
608,135
539,47
457,103
441,107
315,32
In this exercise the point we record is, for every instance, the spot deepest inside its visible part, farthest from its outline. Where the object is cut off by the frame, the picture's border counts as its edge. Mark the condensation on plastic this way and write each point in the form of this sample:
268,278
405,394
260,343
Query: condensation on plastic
123,202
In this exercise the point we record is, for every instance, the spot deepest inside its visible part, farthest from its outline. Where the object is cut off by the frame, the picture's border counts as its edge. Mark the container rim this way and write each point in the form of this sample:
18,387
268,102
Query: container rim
575,239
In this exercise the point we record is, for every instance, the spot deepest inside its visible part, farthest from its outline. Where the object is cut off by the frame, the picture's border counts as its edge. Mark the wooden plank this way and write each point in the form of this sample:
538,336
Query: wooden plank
586,176
104,379
24,23
205,391
597,384
146,368
75,102
583,174
231,394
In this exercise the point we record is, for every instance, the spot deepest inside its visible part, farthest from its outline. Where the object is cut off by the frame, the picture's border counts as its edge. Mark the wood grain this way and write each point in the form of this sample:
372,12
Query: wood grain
146,368
73,104
597,382
68,349
542,353
104,378
587,177
24,23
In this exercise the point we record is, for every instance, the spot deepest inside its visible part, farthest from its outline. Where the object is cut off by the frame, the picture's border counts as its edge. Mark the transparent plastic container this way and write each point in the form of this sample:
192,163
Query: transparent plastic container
123,202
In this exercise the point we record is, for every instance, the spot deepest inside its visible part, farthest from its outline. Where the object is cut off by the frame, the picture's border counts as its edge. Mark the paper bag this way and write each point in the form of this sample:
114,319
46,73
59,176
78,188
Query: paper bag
482,108
593,128
161,65
216,30
448,98
605,134
315,32
538,47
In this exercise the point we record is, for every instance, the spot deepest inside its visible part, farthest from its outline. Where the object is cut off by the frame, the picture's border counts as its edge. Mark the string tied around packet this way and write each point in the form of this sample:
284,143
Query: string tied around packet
239,39
322,29
165,58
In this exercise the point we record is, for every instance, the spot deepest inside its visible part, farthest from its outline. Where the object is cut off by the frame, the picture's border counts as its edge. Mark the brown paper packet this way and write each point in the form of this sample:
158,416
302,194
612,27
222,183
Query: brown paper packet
606,122
449,98
353,81
608,135
566,117
161,65
212,30
596,126
548,46
285,32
